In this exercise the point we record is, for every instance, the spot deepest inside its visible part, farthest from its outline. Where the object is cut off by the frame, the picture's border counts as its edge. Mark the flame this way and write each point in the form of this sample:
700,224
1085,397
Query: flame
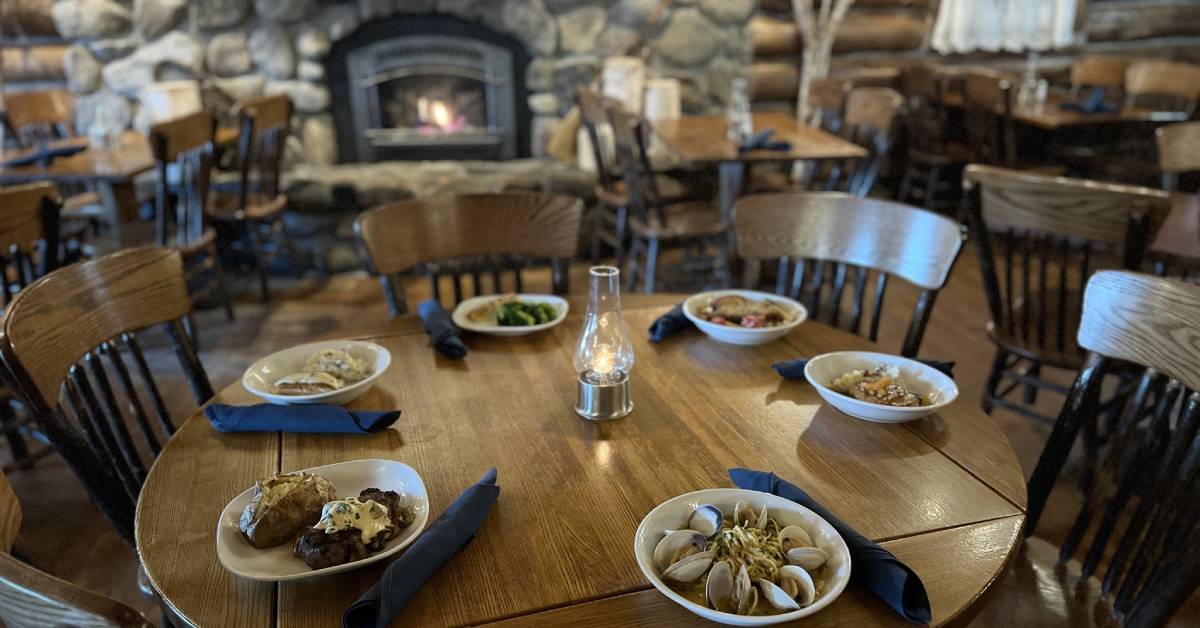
440,114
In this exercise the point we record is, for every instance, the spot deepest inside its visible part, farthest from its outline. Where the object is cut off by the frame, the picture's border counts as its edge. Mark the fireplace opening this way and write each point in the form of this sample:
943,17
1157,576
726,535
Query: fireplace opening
429,87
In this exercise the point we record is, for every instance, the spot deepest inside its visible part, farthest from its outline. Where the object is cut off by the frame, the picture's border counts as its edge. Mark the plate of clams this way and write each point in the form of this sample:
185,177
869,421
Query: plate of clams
742,558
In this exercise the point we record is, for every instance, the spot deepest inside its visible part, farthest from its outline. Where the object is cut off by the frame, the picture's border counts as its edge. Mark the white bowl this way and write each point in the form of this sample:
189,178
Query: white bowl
673,513
920,378
277,563
459,316
743,335
263,374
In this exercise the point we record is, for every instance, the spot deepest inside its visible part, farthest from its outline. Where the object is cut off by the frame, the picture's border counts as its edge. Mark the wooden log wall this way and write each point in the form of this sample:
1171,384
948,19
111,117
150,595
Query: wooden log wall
880,36
31,52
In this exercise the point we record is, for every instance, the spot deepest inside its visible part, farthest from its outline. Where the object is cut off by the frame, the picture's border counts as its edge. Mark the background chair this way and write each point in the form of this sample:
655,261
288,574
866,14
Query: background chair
825,243
1164,85
869,121
1098,71
183,154
1039,239
254,208
71,345
694,228
1130,558
987,114
827,103
1178,152
932,161
474,235
31,598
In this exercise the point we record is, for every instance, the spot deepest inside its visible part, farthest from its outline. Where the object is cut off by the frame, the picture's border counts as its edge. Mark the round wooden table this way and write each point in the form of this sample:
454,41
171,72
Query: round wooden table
945,494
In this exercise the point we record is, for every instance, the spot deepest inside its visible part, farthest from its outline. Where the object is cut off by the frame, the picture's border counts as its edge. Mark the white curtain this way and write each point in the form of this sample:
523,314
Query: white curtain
1009,25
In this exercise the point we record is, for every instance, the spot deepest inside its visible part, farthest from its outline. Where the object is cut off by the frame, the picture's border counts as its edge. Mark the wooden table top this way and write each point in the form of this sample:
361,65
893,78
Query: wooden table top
946,494
1052,116
130,157
700,139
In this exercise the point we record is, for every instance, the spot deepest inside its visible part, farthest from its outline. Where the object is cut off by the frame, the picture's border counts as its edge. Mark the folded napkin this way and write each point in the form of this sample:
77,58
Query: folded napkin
871,566
306,419
45,154
1094,103
673,321
794,369
762,141
441,330
440,541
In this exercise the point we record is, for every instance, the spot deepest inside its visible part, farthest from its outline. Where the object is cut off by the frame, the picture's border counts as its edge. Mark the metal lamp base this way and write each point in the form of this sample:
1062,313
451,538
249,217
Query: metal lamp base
601,402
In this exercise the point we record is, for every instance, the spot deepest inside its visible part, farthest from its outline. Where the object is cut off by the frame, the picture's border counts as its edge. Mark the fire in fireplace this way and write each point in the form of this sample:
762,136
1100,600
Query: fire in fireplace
441,93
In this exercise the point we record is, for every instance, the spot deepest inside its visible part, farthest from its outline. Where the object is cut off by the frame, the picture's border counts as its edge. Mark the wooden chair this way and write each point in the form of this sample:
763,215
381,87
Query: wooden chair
1039,239
59,334
39,116
825,243
655,224
30,598
987,114
1098,71
470,236
1130,557
869,122
183,154
1167,85
933,162
1178,151
255,207
611,225
827,103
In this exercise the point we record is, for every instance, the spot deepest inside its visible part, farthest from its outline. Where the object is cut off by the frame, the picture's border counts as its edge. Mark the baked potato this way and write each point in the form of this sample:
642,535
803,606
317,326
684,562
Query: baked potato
282,506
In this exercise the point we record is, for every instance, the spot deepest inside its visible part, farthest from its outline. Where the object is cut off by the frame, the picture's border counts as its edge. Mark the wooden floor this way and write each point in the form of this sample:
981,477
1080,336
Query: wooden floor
66,536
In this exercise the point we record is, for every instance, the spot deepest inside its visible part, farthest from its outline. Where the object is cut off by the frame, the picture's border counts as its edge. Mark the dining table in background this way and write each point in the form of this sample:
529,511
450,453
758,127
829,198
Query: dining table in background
1052,116
702,140
945,494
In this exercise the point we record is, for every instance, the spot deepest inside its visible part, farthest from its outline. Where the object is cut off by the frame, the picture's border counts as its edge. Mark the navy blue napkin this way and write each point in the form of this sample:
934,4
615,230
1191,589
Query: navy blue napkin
440,541
1094,103
304,419
673,321
762,141
441,330
871,566
794,369
45,154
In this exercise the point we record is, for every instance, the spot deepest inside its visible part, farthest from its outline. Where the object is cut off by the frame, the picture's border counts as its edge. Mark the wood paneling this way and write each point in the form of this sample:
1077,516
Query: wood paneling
1122,20
35,63
859,31
27,18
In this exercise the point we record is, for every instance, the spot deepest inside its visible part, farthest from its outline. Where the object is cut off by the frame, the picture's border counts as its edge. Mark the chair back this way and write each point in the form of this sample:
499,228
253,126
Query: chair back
470,236
629,137
1178,151
263,124
1142,516
827,103
987,114
31,598
58,335
39,116
869,122
1099,71
183,154
1168,85
593,109
29,235
824,243
1040,238
925,115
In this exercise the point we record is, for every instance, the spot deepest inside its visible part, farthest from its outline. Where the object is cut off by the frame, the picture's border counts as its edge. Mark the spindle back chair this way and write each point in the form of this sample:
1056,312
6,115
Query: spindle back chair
932,161
470,236
1145,515
58,335
1099,71
825,243
1039,239
30,598
1178,151
39,116
593,110
987,114
827,103
1160,84
869,122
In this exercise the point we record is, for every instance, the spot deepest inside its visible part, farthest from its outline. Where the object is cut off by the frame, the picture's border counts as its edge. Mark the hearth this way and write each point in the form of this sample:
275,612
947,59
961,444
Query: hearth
429,87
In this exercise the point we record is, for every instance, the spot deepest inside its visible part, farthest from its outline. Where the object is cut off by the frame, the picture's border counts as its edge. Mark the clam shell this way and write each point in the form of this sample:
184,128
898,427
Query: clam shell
807,589
689,568
718,590
675,545
776,596
792,537
810,558
744,593
744,515
705,519
749,602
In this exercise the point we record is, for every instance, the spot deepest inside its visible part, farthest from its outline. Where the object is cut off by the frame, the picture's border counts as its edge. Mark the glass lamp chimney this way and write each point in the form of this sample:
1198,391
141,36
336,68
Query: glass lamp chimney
604,356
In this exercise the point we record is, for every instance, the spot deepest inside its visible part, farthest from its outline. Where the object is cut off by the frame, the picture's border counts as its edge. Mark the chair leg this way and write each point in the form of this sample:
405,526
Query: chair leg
1031,391
931,188
222,287
631,272
993,380
619,228
255,242
906,183
651,265
597,225
16,442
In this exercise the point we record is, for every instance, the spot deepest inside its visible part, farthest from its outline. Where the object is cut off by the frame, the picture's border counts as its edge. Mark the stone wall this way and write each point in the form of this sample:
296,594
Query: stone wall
244,48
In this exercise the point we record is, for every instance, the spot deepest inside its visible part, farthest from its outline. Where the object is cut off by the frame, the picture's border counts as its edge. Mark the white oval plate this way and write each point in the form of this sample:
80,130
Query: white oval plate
743,335
276,564
920,378
673,513
261,375
460,314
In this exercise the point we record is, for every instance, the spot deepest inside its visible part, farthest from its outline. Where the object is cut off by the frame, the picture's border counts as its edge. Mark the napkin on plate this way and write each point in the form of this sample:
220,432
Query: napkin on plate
871,566
794,369
762,141
440,541
307,419
673,321
442,330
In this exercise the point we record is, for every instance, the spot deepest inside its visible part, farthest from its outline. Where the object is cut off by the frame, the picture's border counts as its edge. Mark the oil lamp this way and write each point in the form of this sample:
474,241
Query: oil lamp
604,355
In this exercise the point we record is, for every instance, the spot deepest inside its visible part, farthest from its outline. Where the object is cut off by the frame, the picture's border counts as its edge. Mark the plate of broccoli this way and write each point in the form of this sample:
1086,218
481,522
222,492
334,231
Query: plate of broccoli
510,315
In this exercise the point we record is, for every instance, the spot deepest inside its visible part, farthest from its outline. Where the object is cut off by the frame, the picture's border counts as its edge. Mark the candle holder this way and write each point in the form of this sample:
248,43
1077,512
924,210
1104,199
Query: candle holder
604,356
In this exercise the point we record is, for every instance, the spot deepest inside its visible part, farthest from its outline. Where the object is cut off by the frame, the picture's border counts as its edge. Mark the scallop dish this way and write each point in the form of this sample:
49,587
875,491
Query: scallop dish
738,311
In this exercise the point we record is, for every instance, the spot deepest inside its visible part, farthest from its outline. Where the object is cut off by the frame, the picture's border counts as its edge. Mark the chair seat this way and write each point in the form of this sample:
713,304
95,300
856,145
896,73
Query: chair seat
1070,357
223,208
684,220
87,203
669,188
205,242
1036,591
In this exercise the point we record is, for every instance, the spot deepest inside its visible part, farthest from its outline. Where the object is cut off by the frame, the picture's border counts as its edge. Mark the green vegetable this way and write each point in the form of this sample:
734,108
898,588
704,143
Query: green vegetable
519,314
